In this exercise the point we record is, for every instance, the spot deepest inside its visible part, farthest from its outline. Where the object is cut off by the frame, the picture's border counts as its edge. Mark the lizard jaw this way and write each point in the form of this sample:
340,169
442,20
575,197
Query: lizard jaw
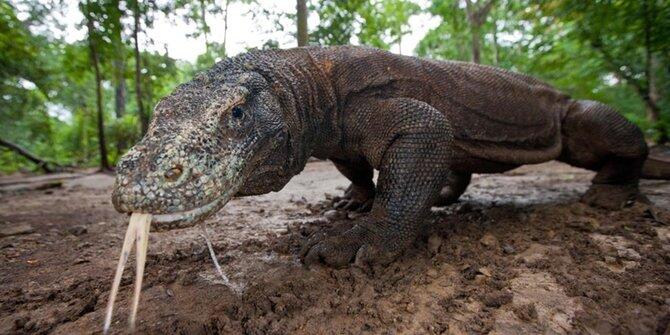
193,216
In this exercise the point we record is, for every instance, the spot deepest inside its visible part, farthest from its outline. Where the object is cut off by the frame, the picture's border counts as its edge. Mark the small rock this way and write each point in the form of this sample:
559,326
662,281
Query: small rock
434,243
485,271
663,234
81,260
629,253
77,230
508,249
354,215
489,240
480,279
334,214
11,229
432,273
169,292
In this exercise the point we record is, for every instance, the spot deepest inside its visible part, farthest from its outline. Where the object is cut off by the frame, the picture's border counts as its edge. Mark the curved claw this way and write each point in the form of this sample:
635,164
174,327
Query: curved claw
355,199
335,251
312,241
350,247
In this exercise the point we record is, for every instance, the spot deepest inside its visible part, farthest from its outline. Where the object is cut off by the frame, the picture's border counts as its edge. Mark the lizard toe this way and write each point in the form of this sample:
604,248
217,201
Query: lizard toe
337,252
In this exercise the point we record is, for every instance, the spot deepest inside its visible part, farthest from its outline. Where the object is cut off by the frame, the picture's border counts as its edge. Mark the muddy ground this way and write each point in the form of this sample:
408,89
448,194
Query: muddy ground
519,254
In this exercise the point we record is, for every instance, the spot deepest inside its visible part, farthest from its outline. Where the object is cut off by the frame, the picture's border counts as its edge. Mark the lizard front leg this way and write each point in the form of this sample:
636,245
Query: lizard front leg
412,156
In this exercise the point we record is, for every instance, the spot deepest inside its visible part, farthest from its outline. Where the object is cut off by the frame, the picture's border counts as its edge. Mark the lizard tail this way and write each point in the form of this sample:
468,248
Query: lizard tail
657,165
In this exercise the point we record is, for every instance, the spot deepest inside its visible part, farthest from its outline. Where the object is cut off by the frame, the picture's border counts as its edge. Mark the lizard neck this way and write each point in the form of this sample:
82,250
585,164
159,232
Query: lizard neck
308,101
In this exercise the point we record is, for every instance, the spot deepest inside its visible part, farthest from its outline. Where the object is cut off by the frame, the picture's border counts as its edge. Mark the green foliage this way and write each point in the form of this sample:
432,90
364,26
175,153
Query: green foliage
214,53
47,89
630,38
449,40
23,82
589,49
379,23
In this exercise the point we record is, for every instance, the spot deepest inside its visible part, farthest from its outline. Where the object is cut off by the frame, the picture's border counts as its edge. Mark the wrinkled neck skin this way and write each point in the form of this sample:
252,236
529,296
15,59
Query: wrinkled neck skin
309,113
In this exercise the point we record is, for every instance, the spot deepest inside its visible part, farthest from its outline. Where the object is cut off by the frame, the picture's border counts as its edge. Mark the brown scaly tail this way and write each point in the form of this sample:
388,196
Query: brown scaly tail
657,165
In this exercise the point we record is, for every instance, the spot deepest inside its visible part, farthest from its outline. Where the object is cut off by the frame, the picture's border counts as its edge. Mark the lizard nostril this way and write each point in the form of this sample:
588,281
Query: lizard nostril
174,173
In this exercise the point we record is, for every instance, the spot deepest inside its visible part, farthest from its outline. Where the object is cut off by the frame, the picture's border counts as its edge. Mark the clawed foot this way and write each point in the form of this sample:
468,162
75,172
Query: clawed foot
613,197
356,245
355,199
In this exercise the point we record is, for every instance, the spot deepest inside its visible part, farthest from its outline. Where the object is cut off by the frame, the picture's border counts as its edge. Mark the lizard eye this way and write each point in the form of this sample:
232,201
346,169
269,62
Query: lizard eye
237,112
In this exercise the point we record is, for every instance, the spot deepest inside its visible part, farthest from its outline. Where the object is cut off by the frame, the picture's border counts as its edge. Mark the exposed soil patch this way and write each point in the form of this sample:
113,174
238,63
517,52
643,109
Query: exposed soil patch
518,254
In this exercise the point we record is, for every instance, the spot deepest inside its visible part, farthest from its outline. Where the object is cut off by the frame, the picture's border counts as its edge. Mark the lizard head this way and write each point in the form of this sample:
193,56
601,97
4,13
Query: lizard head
220,135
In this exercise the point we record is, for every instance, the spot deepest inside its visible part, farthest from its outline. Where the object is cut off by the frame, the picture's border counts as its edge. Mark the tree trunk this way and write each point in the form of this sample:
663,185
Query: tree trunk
496,50
144,120
119,64
652,102
476,58
102,145
42,163
652,97
119,87
203,19
301,8
225,27
120,99
477,17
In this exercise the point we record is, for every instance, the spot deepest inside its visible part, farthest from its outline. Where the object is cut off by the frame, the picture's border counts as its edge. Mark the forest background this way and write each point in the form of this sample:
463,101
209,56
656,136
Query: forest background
78,80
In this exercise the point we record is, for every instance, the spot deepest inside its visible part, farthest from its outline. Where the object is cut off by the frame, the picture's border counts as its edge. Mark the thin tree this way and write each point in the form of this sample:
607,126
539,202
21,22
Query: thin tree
301,8
119,60
203,19
225,26
652,96
477,17
95,59
144,119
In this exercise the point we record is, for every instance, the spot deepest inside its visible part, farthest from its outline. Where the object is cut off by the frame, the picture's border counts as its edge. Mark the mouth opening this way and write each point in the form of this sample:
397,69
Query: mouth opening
189,217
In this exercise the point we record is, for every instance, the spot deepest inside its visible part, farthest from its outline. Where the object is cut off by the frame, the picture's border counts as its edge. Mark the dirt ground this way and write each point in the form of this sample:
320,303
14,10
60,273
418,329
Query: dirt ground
519,254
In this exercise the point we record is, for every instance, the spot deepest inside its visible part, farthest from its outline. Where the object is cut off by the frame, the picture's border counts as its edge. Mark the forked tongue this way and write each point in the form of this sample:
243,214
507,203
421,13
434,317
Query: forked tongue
138,232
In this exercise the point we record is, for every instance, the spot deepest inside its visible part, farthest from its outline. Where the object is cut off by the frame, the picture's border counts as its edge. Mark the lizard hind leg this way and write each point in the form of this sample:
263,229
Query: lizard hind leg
598,138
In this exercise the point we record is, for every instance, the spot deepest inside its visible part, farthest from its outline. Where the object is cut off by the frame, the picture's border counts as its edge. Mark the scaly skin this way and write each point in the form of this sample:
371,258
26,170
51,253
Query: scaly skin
249,124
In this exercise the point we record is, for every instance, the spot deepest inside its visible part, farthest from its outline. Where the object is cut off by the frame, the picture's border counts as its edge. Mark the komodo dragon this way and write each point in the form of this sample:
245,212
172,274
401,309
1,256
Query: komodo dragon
250,123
